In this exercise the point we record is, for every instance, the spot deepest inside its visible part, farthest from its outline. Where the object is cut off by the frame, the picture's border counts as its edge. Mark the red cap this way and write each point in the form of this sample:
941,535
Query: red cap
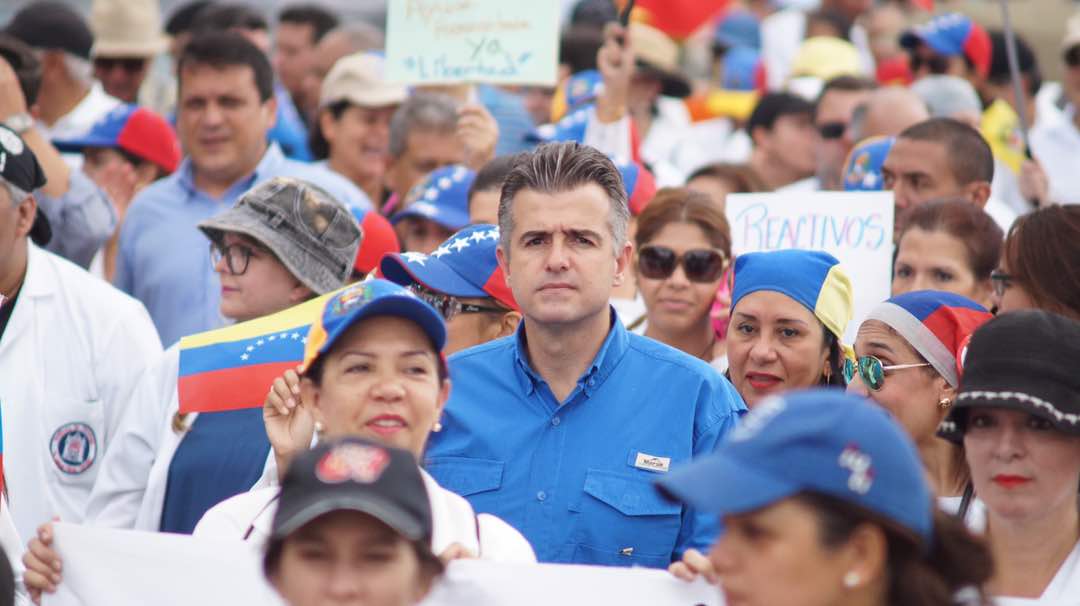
379,239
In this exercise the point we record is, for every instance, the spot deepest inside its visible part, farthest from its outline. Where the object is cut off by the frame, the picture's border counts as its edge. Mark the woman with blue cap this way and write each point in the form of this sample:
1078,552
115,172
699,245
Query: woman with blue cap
824,501
789,311
909,352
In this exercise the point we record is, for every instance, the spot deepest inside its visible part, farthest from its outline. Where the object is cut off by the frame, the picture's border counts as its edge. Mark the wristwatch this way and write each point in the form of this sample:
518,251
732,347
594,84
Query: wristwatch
20,122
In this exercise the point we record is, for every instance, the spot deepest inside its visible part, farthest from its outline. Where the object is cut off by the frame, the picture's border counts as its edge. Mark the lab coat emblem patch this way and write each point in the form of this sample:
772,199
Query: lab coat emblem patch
73,447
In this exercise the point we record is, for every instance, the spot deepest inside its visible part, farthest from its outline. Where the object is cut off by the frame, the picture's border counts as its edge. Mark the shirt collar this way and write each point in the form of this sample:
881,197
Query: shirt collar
611,352
268,166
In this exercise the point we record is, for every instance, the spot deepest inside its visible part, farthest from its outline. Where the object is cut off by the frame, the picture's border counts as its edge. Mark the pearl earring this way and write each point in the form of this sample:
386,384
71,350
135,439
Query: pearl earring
944,403
318,427
437,427
851,580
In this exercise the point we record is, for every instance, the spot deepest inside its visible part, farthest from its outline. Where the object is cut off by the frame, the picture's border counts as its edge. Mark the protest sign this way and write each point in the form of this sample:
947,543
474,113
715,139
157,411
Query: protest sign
856,228
109,567
456,41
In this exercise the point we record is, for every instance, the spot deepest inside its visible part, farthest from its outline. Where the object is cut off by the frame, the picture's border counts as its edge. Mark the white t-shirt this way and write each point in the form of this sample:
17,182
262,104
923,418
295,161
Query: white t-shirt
249,516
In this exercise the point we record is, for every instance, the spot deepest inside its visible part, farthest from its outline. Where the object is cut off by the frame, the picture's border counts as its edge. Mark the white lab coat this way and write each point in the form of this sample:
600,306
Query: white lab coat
452,520
69,358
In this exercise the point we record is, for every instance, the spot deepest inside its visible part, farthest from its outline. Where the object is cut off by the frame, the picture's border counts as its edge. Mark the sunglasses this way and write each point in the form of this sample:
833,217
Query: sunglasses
935,64
449,307
1001,282
130,65
832,130
701,265
872,371
1072,56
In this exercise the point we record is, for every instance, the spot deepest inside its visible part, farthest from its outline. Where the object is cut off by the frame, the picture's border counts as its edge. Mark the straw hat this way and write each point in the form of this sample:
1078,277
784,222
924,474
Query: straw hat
126,28
658,55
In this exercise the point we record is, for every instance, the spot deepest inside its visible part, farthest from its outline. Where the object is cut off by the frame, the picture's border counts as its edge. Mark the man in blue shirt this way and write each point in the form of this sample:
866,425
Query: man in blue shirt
225,107
562,428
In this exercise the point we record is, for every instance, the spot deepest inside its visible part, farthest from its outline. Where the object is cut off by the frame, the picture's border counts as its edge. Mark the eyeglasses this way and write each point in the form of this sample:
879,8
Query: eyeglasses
832,130
1072,56
1001,282
236,257
701,265
872,371
935,64
129,65
449,307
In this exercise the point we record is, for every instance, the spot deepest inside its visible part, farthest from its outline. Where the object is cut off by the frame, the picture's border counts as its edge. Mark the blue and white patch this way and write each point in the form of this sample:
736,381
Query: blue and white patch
73,447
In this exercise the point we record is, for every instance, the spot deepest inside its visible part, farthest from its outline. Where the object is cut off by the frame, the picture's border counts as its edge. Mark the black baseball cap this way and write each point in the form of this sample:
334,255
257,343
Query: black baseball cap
54,26
354,474
20,168
1023,360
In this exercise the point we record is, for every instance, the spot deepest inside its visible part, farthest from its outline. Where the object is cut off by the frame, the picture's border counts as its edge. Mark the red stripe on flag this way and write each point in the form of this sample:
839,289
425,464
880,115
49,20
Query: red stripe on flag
229,388
678,18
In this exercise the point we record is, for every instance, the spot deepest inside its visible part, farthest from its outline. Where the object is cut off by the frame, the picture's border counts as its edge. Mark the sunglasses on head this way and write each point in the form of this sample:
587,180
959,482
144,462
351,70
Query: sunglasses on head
700,265
832,130
449,307
935,64
872,371
130,65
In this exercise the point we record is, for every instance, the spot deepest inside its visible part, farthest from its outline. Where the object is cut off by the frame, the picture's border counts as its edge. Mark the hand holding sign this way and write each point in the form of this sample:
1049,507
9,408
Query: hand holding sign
447,41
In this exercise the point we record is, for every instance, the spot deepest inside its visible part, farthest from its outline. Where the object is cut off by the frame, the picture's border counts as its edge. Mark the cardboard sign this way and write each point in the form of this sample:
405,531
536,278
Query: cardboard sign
856,228
462,41
108,567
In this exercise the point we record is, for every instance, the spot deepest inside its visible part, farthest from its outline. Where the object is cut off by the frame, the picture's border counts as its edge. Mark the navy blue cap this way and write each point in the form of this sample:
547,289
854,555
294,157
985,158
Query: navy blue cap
822,441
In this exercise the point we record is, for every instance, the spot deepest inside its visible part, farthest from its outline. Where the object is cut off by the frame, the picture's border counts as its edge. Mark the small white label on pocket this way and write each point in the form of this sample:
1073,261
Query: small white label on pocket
652,463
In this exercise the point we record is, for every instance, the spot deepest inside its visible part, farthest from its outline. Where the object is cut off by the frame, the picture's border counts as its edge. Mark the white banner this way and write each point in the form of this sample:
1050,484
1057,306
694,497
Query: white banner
106,567
854,227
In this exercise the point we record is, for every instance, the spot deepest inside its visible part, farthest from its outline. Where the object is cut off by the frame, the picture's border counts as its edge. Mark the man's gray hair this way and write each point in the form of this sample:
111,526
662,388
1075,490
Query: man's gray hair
79,69
560,167
17,194
422,112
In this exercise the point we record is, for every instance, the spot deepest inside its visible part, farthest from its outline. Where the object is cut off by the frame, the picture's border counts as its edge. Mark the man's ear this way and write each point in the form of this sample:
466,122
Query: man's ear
978,193
27,211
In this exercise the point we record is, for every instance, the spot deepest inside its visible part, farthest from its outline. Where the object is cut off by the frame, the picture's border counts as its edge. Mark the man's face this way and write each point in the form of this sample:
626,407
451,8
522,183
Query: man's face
294,52
793,142
832,120
221,120
326,53
561,261
926,62
917,172
121,77
425,151
16,219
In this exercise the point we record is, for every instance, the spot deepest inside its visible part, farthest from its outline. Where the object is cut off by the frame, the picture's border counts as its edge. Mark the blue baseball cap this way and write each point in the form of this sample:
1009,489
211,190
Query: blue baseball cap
741,68
462,266
570,127
738,28
822,441
442,197
862,169
579,89
134,129
365,300
951,35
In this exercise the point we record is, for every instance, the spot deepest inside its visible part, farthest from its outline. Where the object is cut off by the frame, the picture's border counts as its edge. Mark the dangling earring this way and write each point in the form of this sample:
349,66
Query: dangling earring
851,580
437,427
944,403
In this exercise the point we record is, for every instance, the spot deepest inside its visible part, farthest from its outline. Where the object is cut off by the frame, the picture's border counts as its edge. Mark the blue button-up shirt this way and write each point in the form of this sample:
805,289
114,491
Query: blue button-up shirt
576,478
164,260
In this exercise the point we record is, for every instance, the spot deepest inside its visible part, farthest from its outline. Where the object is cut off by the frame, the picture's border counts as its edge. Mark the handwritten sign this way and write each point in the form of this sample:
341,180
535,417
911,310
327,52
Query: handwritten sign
856,228
455,41
109,567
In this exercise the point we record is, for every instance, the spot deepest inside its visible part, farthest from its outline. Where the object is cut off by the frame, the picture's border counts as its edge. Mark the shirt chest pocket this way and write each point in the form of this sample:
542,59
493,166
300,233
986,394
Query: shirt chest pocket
478,480
623,521
74,432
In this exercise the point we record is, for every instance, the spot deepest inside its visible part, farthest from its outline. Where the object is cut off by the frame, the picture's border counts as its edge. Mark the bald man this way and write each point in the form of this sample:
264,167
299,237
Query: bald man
887,112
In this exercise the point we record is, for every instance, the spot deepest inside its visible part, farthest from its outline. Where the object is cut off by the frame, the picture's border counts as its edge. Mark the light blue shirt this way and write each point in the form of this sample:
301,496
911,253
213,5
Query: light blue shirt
164,259
577,478
82,219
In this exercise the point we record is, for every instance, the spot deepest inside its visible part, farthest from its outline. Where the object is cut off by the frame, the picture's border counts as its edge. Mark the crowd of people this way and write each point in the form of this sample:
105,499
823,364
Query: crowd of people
531,339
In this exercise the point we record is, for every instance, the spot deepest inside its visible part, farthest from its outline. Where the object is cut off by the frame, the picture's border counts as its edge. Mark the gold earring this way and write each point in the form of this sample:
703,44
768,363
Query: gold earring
944,403
437,427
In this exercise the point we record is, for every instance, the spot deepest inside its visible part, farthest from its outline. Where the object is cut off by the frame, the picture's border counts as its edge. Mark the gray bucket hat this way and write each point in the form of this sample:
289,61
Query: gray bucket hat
313,234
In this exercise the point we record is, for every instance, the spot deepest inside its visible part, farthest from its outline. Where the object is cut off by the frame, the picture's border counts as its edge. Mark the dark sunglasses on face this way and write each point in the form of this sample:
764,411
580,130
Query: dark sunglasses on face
872,371
832,130
1072,56
935,64
129,65
701,265
449,307
1001,281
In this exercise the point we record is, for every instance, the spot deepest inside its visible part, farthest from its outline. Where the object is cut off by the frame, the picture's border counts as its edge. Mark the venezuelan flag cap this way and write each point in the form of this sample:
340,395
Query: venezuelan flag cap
937,324
812,278
367,300
862,169
442,197
952,35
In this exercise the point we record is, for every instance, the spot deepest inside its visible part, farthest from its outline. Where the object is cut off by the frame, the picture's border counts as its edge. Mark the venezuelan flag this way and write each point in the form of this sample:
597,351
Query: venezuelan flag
676,18
233,367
